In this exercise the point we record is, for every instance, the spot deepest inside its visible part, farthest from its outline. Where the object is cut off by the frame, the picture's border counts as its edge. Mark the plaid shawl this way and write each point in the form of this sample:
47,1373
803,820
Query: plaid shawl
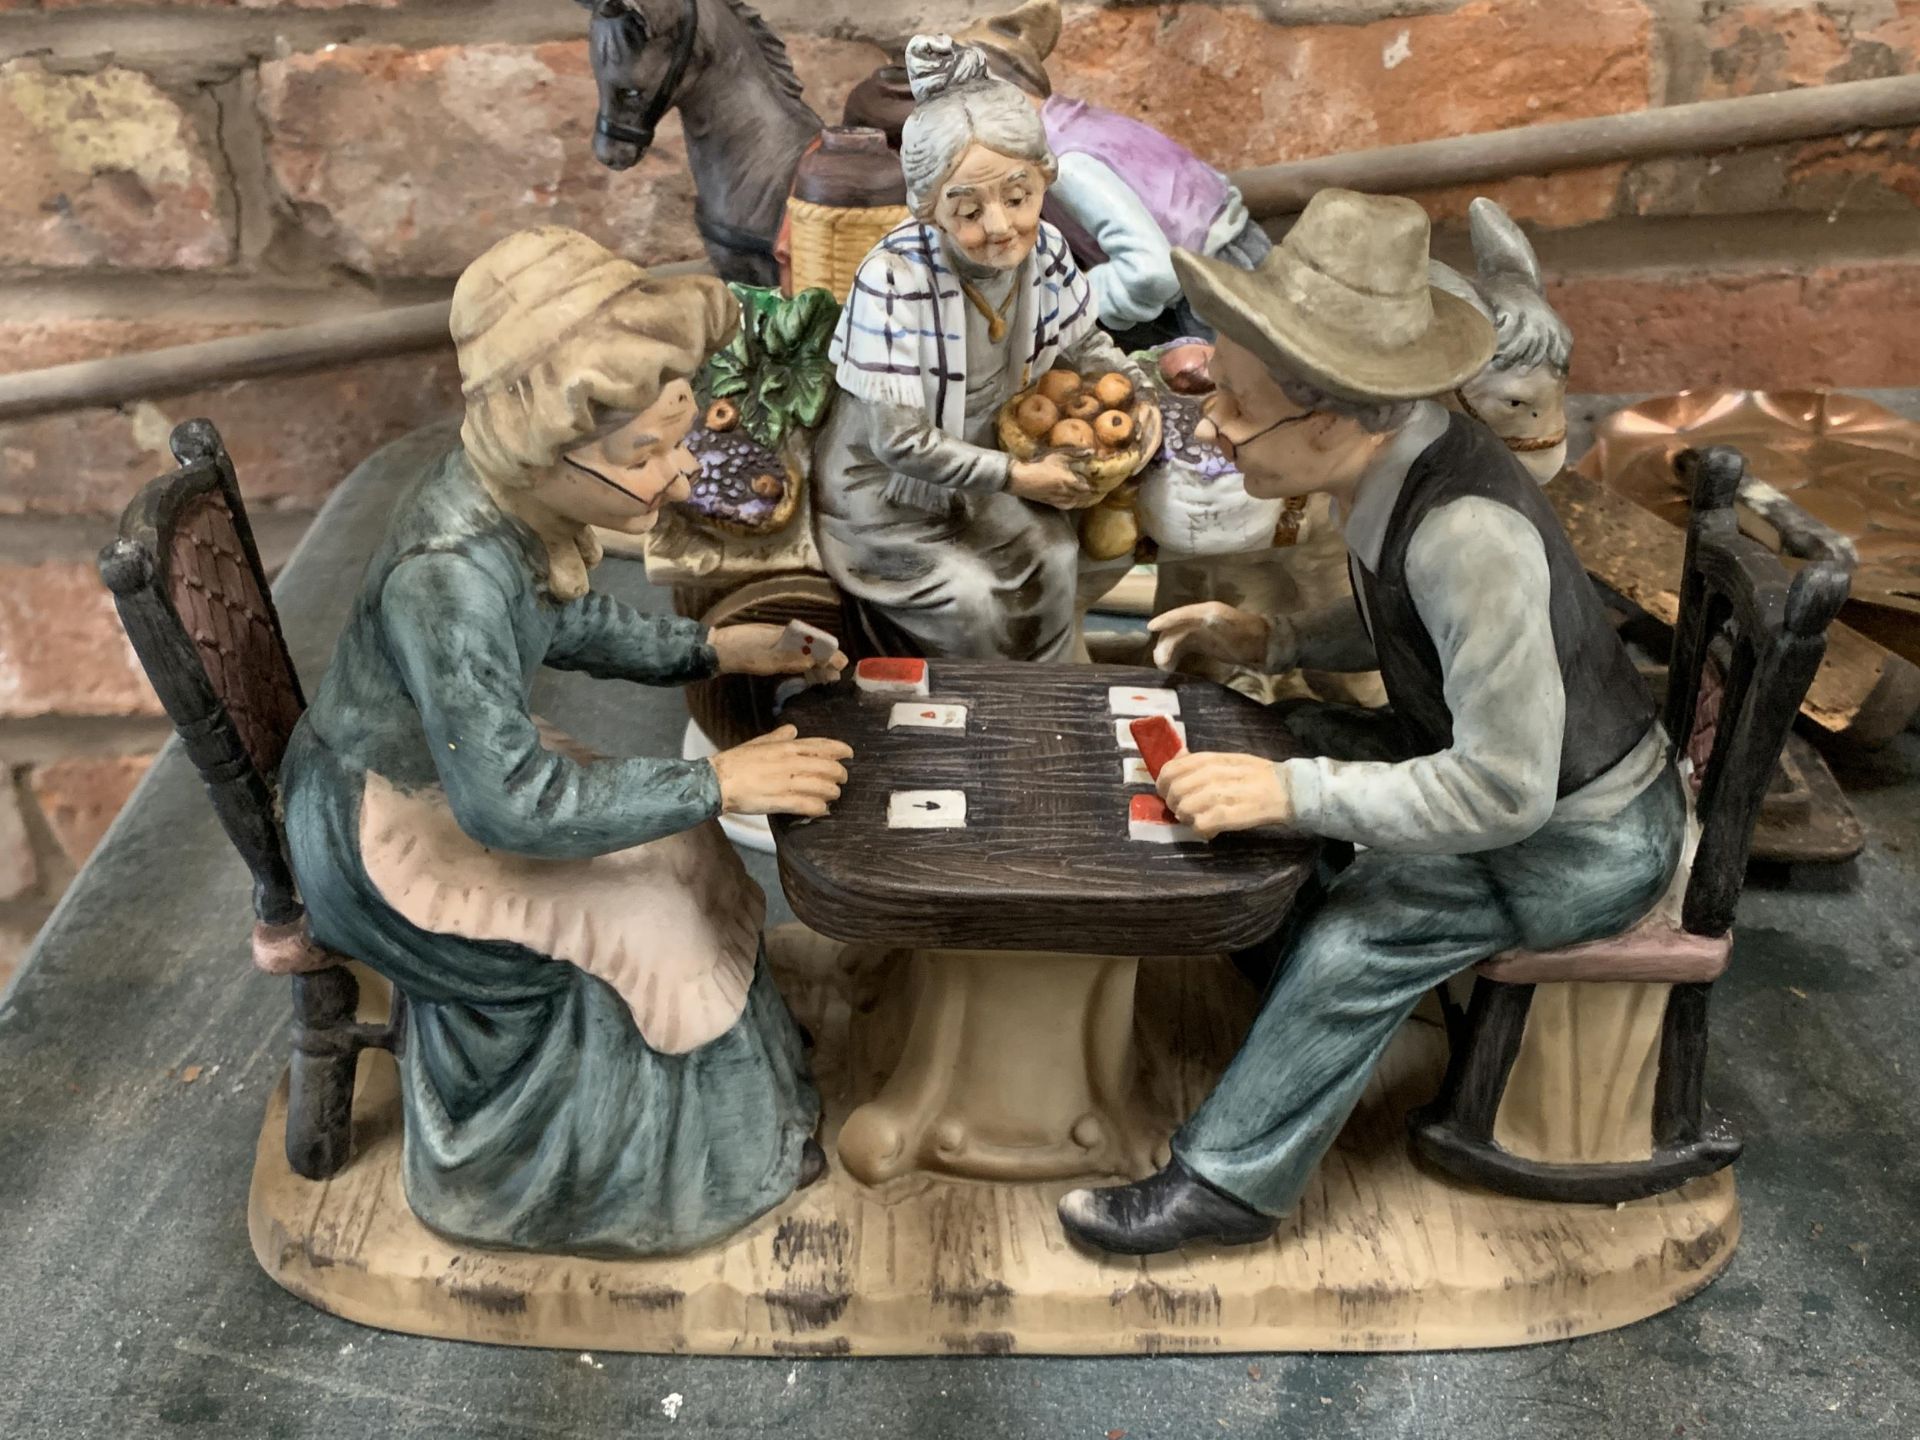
902,337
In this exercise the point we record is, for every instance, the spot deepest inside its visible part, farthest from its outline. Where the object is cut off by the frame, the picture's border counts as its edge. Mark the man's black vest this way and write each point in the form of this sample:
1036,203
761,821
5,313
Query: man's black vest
1608,704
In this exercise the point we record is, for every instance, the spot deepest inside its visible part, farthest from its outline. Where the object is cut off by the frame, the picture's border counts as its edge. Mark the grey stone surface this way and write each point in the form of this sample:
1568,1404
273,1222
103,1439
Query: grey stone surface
131,1305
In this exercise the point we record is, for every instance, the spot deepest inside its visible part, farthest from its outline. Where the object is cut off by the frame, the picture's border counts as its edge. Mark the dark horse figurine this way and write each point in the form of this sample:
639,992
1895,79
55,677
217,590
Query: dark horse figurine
740,105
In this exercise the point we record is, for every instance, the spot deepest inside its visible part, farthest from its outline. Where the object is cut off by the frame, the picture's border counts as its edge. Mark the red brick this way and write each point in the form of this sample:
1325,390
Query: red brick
105,169
1756,49
35,344
215,4
62,651
1242,91
830,68
293,438
80,797
1839,326
19,870
412,162
14,943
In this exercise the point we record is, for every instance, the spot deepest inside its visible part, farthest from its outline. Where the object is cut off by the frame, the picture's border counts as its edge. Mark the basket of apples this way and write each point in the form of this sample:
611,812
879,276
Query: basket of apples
1100,424
1097,422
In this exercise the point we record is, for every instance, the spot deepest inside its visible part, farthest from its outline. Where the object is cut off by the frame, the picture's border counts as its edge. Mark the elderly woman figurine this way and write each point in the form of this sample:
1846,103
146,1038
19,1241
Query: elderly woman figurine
595,1058
1127,195
949,546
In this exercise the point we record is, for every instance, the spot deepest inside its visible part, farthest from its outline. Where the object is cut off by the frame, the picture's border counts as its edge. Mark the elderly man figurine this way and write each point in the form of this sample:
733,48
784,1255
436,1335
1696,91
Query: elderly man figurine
1518,792
948,546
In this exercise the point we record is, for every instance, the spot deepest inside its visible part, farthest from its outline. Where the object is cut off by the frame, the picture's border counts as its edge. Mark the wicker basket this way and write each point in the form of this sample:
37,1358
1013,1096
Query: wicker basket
829,242
1107,469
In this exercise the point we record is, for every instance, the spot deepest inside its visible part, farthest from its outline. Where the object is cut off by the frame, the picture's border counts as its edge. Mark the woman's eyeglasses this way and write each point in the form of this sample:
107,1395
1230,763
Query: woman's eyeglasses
1230,448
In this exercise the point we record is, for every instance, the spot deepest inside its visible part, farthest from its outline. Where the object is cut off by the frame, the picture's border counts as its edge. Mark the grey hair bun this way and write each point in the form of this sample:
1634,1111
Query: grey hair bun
936,64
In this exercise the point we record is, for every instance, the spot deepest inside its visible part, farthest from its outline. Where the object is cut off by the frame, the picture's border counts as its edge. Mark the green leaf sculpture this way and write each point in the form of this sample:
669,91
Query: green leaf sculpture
776,367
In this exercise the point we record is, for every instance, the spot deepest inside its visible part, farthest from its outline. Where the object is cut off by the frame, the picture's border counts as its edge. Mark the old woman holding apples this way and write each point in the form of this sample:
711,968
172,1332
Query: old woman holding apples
947,545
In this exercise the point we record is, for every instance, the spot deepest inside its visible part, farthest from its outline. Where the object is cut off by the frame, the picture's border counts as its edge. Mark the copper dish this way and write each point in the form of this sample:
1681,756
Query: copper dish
1848,462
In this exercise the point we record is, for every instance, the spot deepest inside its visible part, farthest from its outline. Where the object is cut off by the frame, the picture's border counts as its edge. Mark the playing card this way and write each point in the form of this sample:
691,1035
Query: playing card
885,676
927,810
923,715
1142,700
800,638
1123,730
1149,820
1159,739
1133,771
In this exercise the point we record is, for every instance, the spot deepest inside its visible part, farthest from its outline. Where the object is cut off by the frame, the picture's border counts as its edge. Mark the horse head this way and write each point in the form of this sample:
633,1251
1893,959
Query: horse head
640,51
1522,394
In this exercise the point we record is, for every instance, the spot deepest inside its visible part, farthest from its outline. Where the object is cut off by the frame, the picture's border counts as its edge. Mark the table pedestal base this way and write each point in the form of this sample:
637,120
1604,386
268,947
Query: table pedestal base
1014,1065
1382,1253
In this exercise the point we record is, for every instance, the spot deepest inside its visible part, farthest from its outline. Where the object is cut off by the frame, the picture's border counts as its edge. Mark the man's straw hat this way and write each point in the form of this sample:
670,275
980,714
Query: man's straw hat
1020,40
1344,304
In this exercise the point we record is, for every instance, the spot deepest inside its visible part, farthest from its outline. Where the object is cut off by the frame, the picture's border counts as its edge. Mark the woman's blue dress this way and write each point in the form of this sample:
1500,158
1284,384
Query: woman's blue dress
537,1117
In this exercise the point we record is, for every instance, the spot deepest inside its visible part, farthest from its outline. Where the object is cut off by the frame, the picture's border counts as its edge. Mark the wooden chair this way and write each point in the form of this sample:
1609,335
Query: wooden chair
187,580
1577,1074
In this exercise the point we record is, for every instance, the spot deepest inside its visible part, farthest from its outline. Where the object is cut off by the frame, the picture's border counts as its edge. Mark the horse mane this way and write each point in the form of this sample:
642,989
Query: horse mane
617,35
772,48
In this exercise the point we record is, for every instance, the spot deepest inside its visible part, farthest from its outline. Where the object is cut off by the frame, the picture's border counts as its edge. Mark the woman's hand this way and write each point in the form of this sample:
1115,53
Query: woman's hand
749,650
1212,629
1217,792
1050,480
778,774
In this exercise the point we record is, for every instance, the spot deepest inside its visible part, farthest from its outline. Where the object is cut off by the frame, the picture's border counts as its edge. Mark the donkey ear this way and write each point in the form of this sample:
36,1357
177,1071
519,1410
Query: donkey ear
1500,248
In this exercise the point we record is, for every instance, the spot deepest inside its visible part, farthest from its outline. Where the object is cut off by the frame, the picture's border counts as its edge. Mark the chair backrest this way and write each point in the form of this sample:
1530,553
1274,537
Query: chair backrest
191,592
1773,632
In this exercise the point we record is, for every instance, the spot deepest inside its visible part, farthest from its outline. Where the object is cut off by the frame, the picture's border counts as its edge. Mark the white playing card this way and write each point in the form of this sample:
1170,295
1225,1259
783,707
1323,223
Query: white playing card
1134,700
1151,822
1120,728
1133,771
927,810
800,638
925,715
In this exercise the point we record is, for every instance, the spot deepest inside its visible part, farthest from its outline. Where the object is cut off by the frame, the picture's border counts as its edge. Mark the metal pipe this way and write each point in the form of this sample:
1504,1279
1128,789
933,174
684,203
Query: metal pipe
119,379
1271,191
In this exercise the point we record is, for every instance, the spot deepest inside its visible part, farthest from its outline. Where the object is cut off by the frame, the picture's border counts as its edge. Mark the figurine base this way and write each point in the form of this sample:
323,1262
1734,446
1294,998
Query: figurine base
1383,1254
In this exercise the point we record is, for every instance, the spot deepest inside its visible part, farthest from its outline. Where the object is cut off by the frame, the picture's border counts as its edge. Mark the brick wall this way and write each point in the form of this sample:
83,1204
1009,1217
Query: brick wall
178,171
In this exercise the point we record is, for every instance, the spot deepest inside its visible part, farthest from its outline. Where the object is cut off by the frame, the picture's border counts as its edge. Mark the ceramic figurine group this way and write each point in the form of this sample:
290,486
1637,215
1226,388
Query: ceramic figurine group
596,1057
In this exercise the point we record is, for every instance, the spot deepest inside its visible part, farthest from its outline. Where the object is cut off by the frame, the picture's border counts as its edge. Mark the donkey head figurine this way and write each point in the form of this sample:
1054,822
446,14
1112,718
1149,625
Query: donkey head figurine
1522,393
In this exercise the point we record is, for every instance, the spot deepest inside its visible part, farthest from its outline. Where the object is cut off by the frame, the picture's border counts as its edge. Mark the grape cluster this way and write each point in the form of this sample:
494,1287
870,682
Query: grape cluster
728,464
1180,416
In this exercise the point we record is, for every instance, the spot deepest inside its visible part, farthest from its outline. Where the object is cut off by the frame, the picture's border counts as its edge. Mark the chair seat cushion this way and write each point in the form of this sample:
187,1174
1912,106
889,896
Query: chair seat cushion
1654,950
290,950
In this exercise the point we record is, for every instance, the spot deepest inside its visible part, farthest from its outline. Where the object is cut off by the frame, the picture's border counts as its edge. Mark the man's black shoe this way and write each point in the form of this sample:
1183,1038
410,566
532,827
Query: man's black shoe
1166,1210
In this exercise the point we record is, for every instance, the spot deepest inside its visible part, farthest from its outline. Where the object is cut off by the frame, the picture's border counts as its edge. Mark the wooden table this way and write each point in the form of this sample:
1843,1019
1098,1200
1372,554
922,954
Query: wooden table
1026,927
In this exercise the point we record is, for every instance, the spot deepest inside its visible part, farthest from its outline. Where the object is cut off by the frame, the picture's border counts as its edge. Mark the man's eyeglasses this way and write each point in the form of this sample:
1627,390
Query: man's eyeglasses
1227,445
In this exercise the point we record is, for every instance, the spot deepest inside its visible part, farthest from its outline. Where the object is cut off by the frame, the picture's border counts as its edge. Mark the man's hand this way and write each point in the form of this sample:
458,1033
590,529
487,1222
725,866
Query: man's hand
1211,629
1215,793
777,774
1050,480
750,650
